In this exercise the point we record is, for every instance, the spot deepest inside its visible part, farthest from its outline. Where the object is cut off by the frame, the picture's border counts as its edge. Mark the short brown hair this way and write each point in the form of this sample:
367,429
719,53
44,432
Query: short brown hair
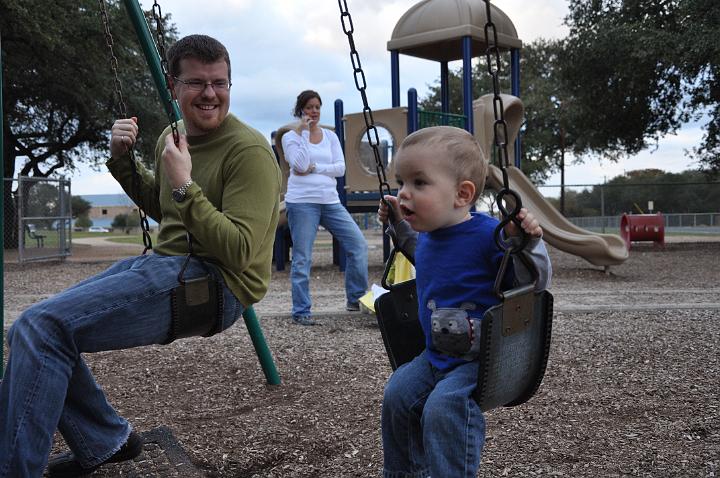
302,100
464,156
200,47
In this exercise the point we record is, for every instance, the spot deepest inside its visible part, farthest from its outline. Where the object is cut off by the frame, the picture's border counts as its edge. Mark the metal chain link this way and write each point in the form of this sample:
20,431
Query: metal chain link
144,225
160,45
361,85
500,135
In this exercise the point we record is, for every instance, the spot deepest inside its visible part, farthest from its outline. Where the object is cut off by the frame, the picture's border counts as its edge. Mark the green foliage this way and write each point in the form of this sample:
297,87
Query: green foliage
119,221
83,221
122,221
629,72
550,131
482,84
59,101
638,69
79,206
43,200
577,204
686,192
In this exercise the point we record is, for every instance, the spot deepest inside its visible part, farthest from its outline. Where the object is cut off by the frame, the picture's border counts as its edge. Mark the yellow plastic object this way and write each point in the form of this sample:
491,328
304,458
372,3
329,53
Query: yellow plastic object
401,270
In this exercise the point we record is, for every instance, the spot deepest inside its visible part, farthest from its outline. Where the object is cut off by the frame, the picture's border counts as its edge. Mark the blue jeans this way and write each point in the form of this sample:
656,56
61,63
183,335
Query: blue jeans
431,426
303,219
48,386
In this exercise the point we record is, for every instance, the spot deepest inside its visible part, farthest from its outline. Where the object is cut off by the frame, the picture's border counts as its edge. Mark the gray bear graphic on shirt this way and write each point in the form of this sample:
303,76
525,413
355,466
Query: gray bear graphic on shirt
454,332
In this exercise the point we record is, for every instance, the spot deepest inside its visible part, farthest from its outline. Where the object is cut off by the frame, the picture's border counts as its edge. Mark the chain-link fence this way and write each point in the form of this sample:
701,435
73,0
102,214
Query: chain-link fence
614,199
700,223
687,207
38,218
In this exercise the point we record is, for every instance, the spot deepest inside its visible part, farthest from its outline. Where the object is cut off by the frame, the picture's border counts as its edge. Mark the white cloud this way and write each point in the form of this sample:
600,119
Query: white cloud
92,182
537,19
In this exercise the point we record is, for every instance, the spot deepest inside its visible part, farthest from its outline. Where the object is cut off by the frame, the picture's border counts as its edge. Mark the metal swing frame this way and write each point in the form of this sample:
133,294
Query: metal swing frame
516,333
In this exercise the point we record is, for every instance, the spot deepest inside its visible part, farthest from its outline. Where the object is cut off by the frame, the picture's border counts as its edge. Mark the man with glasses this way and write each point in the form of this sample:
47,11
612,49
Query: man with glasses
220,186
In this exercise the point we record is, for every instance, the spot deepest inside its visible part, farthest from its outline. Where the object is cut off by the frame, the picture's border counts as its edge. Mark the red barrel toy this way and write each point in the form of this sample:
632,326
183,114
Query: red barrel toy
642,227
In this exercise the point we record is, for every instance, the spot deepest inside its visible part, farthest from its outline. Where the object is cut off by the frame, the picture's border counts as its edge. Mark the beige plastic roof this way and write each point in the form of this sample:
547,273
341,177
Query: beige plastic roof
433,29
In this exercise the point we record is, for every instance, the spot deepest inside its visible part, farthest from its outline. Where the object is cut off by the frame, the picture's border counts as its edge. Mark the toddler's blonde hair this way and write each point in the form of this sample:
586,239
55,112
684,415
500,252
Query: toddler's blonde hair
463,155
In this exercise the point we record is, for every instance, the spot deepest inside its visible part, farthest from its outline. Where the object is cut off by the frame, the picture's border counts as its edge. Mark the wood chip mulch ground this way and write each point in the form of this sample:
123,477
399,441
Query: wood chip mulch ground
632,386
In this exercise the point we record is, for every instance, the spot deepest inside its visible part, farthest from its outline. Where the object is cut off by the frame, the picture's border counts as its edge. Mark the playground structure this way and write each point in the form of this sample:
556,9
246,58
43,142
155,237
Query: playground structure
443,31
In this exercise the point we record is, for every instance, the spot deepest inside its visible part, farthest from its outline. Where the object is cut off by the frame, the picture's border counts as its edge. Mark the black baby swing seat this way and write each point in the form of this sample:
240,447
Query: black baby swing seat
515,339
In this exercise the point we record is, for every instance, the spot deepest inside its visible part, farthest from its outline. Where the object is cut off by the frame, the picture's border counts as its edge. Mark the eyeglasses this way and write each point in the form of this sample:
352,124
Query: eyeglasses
199,85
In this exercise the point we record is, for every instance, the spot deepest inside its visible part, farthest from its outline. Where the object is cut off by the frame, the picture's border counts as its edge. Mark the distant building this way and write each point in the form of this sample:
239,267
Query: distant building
106,206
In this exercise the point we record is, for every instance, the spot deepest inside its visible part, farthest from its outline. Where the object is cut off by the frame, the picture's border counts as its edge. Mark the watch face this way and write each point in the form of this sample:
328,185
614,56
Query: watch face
178,196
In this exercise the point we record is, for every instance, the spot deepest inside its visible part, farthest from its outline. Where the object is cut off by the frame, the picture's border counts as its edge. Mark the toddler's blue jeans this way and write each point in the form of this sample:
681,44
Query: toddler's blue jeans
431,426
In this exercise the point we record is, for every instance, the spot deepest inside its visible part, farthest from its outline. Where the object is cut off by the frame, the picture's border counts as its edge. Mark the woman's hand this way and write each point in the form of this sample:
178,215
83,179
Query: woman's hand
529,224
305,123
310,170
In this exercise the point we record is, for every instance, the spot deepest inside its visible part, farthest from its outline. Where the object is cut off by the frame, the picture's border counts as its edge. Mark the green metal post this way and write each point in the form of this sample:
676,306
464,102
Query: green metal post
261,348
137,17
153,58
2,222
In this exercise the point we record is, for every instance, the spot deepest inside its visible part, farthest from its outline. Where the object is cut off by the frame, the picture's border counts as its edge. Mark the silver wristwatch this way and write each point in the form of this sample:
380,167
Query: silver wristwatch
178,194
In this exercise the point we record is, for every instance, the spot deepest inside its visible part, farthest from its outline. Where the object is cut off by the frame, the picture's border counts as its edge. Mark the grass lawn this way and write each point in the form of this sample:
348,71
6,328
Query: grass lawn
131,238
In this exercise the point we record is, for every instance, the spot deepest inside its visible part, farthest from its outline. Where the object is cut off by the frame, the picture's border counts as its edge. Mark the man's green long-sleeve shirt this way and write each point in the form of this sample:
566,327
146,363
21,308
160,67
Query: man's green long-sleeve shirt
231,209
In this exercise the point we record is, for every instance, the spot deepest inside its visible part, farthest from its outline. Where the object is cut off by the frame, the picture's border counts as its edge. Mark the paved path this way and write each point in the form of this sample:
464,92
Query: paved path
103,241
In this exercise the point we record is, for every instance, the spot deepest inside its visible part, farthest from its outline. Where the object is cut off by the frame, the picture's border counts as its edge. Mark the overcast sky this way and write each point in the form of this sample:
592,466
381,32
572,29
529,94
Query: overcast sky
281,47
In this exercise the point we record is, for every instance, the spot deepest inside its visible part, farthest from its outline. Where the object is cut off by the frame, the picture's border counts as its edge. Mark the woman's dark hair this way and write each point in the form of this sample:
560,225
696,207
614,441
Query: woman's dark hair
302,100
200,47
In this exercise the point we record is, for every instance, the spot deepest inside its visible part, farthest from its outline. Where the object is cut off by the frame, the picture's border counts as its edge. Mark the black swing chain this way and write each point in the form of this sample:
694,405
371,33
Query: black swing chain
160,44
361,85
500,135
144,225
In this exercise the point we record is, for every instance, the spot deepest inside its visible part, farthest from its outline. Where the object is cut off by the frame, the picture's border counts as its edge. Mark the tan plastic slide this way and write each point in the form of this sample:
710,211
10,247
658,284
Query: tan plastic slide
598,249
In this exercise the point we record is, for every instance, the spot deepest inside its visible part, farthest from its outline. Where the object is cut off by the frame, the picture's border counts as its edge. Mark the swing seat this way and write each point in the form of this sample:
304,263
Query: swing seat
397,315
515,341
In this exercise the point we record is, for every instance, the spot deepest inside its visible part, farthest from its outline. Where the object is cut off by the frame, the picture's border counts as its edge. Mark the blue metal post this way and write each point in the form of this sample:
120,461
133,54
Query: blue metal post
395,77
444,89
338,253
412,114
515,89
467,83
2,221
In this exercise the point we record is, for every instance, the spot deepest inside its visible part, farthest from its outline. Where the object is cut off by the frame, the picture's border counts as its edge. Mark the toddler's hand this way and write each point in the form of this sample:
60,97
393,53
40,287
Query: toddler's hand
529,224
383,210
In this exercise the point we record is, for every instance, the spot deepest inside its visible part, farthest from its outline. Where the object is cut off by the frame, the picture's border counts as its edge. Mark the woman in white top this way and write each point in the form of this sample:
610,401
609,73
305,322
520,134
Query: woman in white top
316,159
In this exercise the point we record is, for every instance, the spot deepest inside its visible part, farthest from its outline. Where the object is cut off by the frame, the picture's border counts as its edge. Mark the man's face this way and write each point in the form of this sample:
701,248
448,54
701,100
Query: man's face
203,110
